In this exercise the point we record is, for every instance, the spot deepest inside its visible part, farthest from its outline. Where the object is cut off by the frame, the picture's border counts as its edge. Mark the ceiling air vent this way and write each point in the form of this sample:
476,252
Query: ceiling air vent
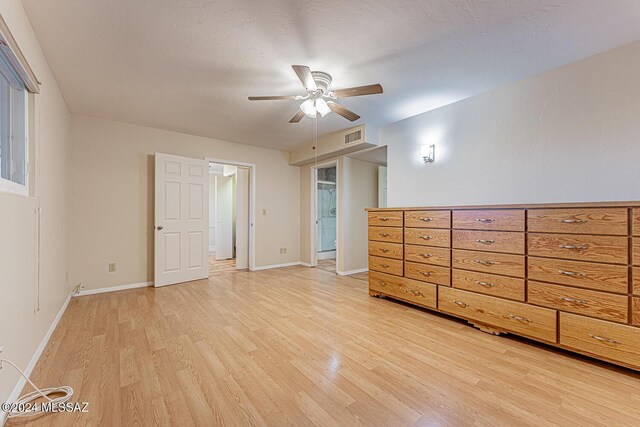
353,137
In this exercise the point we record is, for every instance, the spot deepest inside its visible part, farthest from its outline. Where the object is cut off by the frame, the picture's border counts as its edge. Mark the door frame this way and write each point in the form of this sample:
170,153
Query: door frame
252,203
313,211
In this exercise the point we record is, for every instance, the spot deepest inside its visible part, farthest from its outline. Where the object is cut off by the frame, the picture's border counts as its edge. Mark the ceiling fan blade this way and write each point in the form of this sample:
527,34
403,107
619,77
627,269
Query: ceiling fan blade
344,112
271,98
357,91
305,76
295,119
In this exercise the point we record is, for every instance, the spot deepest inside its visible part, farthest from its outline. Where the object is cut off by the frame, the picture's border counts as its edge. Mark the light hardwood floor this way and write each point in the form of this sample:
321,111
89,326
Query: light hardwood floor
301,346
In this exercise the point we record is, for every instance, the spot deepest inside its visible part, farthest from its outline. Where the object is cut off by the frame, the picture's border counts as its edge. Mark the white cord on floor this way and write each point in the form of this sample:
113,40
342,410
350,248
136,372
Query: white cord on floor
24,406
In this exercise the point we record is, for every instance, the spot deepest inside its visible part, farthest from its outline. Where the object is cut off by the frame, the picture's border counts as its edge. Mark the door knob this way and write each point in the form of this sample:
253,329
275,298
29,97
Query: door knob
159,227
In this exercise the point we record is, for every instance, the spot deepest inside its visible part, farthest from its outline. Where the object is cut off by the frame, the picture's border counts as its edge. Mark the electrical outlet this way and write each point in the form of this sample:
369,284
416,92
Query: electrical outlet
283,251
112,267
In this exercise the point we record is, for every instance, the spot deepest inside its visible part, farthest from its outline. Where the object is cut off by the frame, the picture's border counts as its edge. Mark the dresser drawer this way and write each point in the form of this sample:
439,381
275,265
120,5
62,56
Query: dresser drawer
427,236
428,255
386,234
602,277
386,218
581,301
636,280
509,265
498,220
430,219
490,284
536,322
492,241
386,265
636,222
580,220
387,250
428,273
611,249
616,342
636,311
636,251
406,289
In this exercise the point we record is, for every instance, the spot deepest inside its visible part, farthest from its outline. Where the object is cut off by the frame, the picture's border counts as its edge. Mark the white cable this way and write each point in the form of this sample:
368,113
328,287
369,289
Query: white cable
25,402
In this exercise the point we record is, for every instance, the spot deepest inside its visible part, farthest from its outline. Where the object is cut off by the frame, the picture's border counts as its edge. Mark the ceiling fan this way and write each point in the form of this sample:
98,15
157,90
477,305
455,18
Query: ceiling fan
319,98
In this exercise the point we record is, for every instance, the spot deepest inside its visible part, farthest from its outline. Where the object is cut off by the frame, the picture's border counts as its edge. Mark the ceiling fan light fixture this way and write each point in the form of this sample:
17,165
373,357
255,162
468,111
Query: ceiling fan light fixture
322,107
308,108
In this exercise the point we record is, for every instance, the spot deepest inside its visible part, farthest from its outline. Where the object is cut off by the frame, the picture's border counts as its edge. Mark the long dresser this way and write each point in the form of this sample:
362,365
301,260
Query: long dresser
564,274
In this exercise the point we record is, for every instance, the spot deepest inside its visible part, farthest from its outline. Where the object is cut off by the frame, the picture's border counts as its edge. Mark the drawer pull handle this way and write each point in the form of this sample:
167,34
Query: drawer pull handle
485,220
520,318
485,242
573,221
384,250
384,218
426,237
382,283
416,293
384,265
426,273
578,247
571,273
577,301
461,304
483,262
485,284
426,255
603,339
383,234
426,219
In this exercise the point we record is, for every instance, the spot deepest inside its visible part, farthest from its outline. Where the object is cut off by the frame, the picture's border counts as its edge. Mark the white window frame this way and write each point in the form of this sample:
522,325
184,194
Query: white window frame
7,185
11,51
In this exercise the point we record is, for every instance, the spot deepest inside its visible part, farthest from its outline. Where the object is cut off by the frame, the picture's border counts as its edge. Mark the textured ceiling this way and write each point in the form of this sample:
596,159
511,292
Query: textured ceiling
189,65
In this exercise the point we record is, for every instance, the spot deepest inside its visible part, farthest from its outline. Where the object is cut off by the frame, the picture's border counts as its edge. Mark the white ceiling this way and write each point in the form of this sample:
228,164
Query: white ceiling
189,65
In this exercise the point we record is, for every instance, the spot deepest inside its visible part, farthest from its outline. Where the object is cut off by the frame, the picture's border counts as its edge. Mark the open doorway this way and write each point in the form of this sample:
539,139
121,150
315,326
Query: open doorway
325,214
229,218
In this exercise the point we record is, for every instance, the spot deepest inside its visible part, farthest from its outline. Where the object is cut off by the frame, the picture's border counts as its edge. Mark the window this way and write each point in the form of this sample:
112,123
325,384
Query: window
13,129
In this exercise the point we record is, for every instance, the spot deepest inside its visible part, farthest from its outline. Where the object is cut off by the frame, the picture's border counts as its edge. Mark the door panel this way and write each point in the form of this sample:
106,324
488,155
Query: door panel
242,218
181,219
224,227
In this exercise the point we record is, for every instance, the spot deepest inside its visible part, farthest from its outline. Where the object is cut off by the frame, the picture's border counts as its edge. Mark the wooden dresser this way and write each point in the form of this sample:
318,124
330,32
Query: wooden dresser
563,274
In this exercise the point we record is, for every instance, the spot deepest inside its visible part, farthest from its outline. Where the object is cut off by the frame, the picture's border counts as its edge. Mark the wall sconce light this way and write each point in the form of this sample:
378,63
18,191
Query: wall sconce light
428,153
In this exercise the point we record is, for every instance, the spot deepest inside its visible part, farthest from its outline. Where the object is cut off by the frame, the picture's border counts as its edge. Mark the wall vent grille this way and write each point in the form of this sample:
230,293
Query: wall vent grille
353,137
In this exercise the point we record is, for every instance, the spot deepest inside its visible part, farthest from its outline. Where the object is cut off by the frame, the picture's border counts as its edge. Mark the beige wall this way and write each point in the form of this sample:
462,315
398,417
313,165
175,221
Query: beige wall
112,198
568,135
22,326
357,189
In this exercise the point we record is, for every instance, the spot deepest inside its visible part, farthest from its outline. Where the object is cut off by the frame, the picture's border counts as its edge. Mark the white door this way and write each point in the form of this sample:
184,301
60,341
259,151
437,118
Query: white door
224,216
242,218
181,219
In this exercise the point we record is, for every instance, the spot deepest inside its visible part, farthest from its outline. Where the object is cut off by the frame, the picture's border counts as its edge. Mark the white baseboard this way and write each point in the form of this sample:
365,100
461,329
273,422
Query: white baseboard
350,272
269,267
326,255
15,394
306,264
113,289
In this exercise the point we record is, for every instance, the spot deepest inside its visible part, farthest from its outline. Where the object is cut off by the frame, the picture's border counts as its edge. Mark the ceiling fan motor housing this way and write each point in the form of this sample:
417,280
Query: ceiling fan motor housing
323,80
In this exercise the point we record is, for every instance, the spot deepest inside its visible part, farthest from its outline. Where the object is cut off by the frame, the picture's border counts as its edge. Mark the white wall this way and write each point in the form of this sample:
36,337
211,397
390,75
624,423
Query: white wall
357,190
22,326
568,135
112,198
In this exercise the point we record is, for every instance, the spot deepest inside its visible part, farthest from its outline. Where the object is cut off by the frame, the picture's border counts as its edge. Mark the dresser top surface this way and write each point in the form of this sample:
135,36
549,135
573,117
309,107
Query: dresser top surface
629,204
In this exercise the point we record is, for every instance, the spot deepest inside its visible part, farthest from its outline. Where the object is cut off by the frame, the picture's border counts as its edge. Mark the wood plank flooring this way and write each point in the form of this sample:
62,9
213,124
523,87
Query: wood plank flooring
301,346
222,266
